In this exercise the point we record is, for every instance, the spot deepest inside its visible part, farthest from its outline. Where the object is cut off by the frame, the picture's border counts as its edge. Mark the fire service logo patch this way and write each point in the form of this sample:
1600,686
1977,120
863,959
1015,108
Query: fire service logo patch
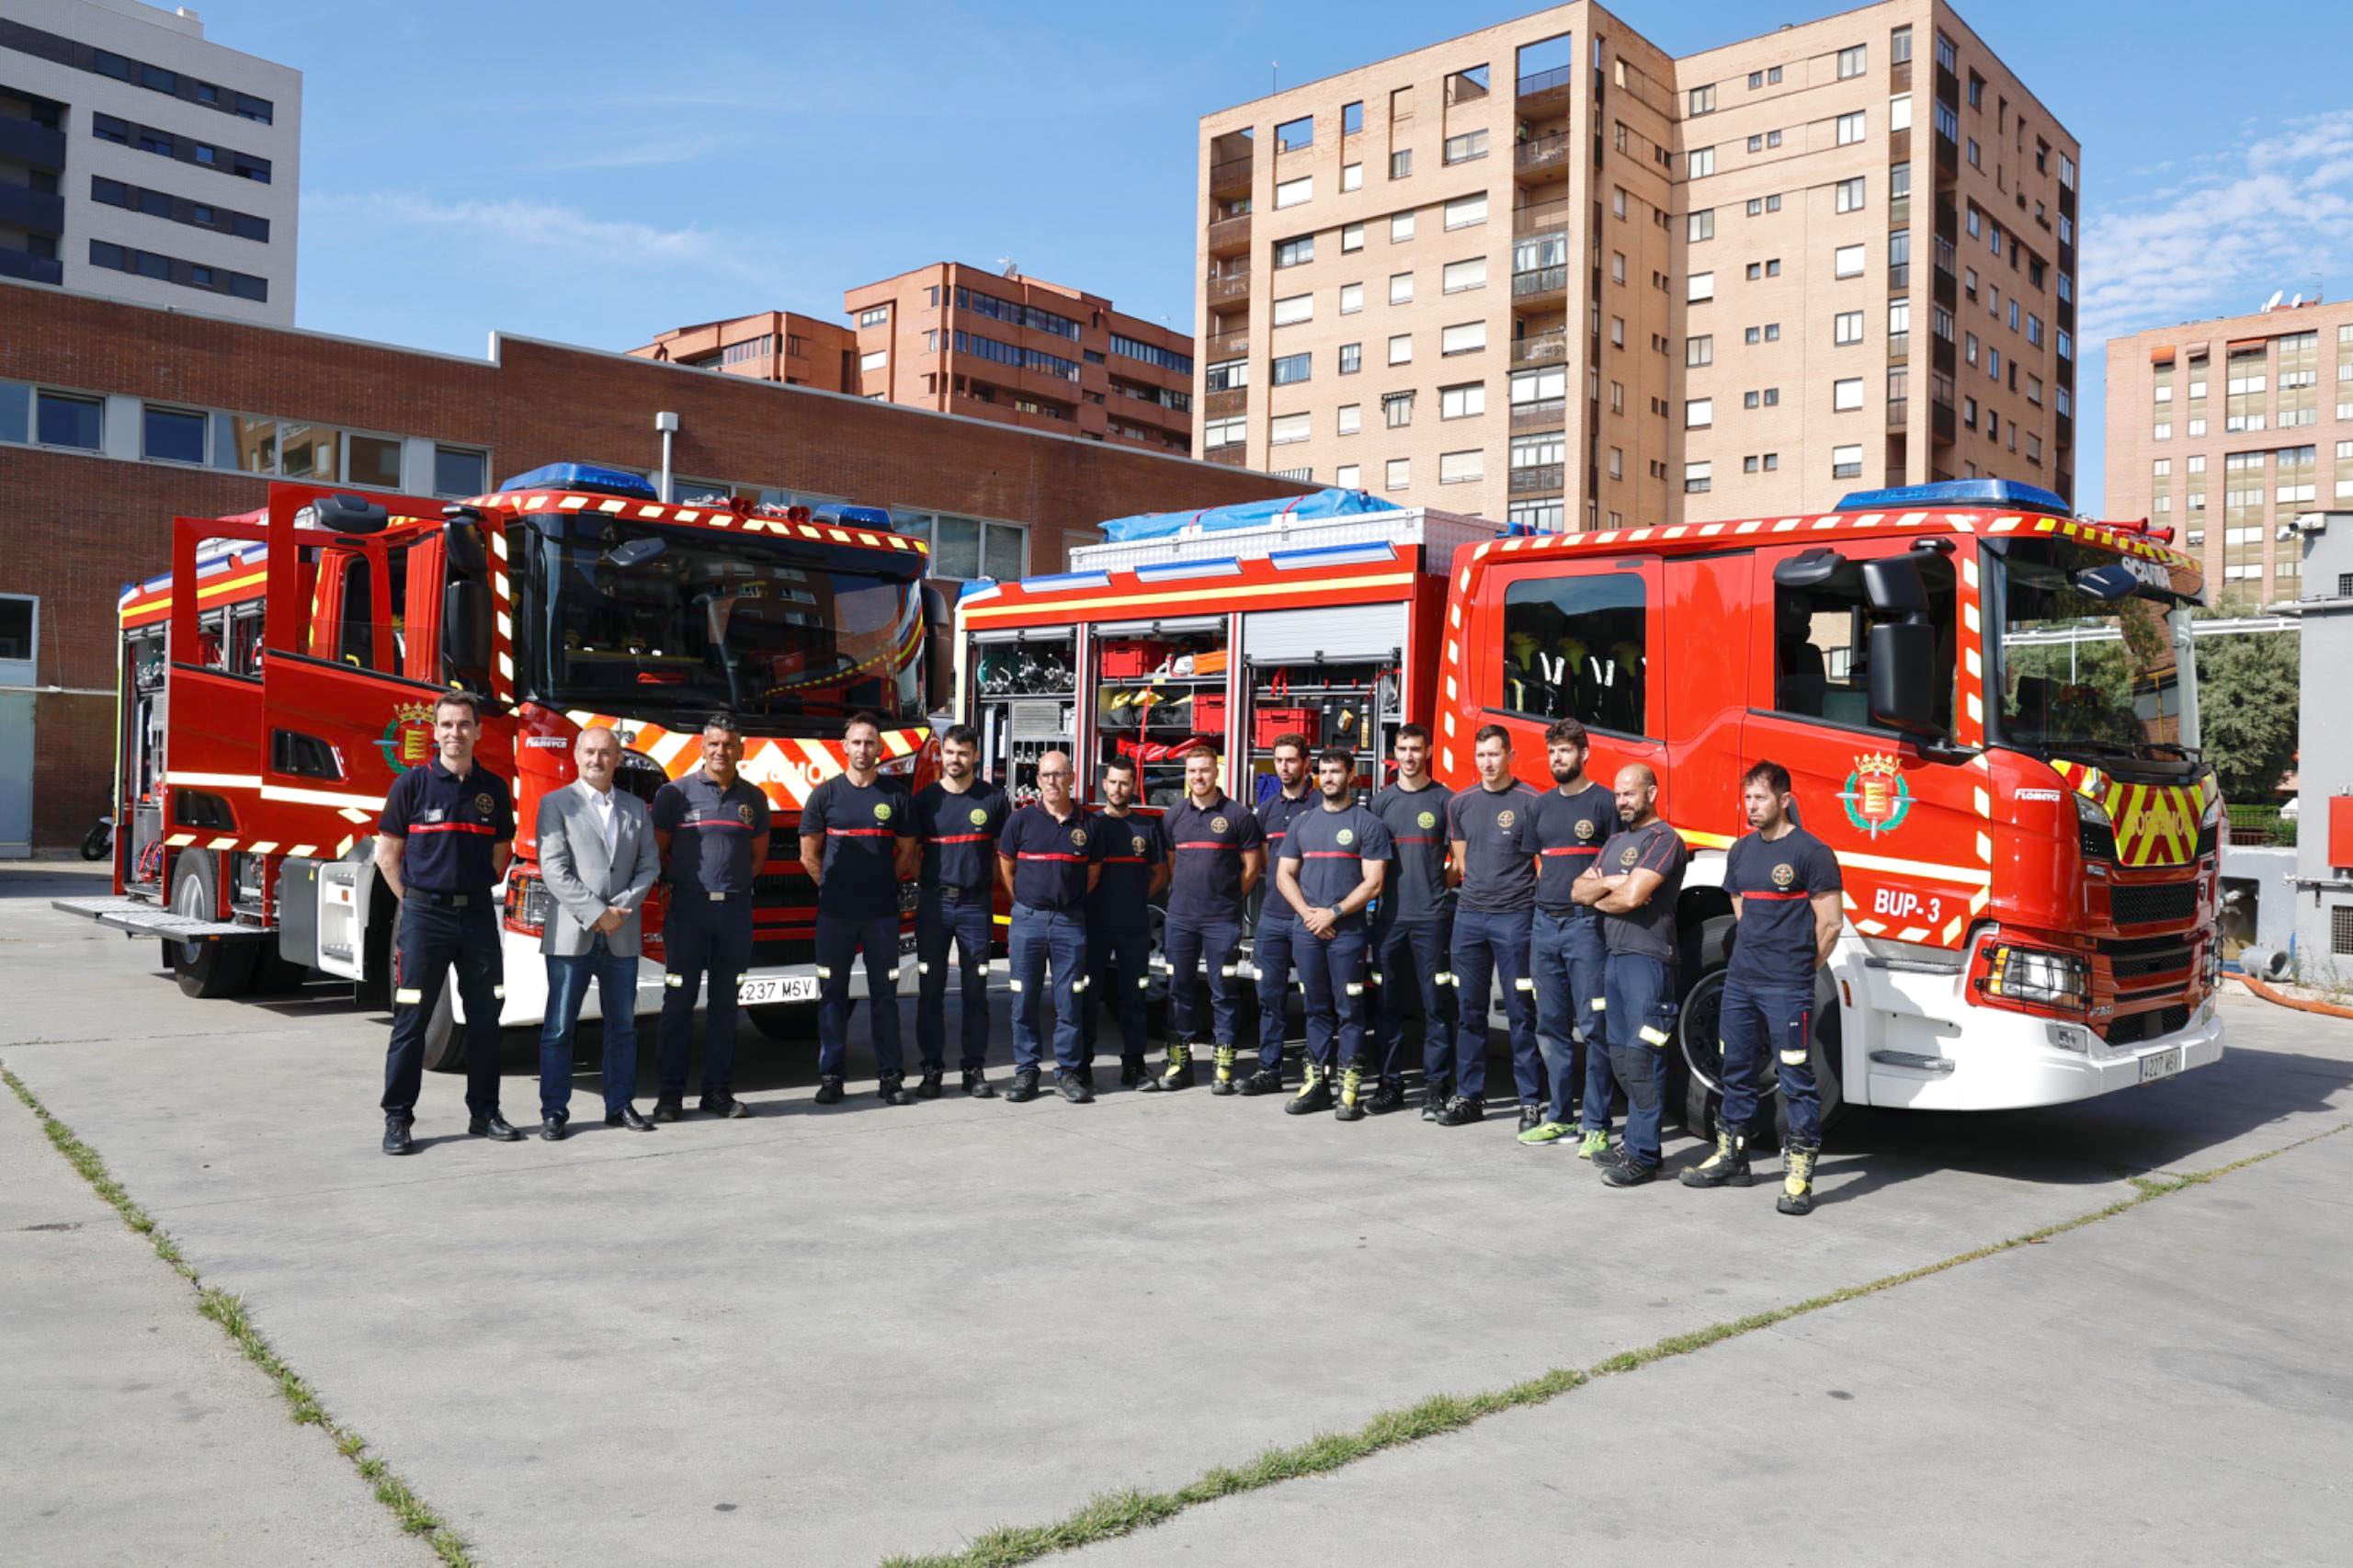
408,740
1876,797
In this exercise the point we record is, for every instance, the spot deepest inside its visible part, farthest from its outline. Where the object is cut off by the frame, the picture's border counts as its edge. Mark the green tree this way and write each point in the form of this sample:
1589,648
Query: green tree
2247,704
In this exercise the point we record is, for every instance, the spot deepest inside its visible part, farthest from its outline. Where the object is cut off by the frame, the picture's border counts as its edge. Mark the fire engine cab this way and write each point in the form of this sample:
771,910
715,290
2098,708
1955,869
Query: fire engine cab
282,674
1986,705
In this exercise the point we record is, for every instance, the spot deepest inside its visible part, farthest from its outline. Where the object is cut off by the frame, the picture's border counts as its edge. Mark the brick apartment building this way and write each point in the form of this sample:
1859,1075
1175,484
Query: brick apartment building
1546,271
966,340
115,417
2227,429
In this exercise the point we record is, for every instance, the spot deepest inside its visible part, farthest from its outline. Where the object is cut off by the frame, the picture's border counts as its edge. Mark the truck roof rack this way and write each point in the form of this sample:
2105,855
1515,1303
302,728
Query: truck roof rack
2006,494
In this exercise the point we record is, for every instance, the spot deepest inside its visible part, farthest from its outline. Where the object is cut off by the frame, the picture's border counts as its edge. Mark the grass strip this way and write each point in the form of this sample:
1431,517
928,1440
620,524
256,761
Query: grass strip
229,1311
1109,1515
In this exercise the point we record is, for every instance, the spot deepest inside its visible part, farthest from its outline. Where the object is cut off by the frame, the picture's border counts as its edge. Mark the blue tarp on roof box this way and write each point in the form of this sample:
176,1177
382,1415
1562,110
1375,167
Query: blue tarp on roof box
1331,502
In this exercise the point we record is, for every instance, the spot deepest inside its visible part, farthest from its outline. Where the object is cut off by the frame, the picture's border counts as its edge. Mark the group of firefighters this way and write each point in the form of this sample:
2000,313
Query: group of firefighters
1414,901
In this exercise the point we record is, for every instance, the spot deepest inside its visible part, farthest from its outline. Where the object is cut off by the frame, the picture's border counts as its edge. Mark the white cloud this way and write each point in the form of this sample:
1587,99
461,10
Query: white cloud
513,223
2273,212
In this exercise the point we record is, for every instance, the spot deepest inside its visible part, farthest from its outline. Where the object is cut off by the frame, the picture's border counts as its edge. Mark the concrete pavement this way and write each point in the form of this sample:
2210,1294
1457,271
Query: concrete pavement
828,1336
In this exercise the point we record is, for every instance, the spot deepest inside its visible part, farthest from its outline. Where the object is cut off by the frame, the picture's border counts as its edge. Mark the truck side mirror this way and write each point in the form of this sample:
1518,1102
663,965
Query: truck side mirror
1892,585
462,548
1903,677
939,642
465,635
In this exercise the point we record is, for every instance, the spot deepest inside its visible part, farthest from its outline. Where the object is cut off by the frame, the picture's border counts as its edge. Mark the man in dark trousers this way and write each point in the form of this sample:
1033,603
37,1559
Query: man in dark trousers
1574,818
1333,864
1046,862
443,843
857,844
958,816
1133,858
1788,909
1272,944
1635,886
1493,829
712,827
1216,853
1412,926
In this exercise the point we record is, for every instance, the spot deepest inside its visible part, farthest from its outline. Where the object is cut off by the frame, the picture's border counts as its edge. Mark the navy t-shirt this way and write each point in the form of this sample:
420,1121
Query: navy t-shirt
1050,857
1497,828
1331,849
1570,831
1776,882
711,832
1416,887
1276,815
450,825
1650,930
1205,853
1127,847
959,833
861,824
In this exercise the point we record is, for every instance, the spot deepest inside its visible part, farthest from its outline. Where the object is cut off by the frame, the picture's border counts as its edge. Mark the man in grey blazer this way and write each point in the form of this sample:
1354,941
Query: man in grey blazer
598,860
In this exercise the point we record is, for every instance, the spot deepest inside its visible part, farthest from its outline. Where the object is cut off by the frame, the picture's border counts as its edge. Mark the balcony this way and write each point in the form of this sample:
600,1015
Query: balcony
1943,422
1535,216
1231,178
1226,345
1544,156
1537,479
1542,91
22,207
28,142
1899,347
1544,414
31,268
1227,403
1225,288
1230,236
1899,411
1229,455
1539,285
1540,348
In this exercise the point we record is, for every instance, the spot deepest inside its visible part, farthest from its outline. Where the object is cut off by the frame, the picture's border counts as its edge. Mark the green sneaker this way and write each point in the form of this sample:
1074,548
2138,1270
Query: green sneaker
1593,1146
1547,1132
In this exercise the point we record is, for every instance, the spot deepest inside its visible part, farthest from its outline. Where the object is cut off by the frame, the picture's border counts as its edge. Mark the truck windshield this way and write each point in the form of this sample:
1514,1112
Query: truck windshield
771,630
2074,673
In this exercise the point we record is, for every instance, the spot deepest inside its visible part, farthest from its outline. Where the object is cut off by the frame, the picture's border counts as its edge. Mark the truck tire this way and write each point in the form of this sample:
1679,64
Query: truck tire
1702,1050
213,968
276,976
445,1043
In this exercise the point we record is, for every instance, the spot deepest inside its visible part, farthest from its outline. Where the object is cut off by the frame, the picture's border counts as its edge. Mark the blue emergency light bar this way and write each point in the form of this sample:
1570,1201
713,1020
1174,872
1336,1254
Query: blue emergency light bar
584,476
857,517
2004,495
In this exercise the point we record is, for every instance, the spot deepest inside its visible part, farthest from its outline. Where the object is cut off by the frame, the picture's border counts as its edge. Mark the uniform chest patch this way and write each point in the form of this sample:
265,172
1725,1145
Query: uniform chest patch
1504,819
1628,856
1428,819
1784,874
1347,835
1078,837
1136,846
485,804
881,811
1584,828
1219,824
980,816
744,812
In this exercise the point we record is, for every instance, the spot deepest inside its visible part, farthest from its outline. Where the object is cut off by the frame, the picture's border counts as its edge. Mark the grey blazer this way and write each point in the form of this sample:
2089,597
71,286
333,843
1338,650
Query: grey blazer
584,880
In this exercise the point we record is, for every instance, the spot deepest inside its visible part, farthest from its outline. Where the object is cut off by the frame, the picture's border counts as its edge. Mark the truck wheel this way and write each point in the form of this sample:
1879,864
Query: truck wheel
274,976
445,1043
1705,949
1704,1054
213,968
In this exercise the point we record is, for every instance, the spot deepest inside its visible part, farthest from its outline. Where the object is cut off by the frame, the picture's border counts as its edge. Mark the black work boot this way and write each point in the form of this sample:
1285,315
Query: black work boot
1177,1075
977,1085
1386,1096
1025,1086
1349,1105
829,1091
1462,1110
1131,1072
930,1085
1268,1081
891,1089
1797,1183
1222,1078
1314,1093
397,1138
1728,1166
1434,1097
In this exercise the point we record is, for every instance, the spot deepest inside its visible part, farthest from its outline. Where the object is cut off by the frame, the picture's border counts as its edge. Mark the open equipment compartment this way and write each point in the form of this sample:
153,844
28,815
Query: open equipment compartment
1024,702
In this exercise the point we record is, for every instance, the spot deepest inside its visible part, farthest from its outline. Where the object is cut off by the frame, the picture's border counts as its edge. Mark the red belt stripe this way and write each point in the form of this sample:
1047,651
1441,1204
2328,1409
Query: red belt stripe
1572,849
961,838
488,832
1776,897
1329,855
1038,855
1123,860
857,833
1207,844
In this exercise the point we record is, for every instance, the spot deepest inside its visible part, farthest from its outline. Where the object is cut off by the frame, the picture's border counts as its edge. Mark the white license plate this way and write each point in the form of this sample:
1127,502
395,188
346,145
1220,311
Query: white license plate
2161,1064
766,988
906,943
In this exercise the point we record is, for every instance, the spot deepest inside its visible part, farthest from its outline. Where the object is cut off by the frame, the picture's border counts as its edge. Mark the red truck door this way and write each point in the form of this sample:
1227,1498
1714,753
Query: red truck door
1557,639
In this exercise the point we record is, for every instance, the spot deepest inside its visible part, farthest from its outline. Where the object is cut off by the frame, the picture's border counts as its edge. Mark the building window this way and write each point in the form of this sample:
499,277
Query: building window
1699,225
1351,237
1397,409
1698,413
1294,253
459,471
1292,192
1847,261
1850,62
61,419
1351,176
1351,418
1850,127
1848,327
1700,351
1465,148
1285,429
1348,476
1401,163
1461,468
1850,193
1351,298
1470,273
1351,358
1398,474
1703,99
1401,348
1400,228
1466,337
1846,462
878,360
1846,394
1462,402
1765,141
1698,287
1290,367
1222,433
171,434
1760,204
1226,375
1465,210
1697,478
1401,287
1700,163
1292,309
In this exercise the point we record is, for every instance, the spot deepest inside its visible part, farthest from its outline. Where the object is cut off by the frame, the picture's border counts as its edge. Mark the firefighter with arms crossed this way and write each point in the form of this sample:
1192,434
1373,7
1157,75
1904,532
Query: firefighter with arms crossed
1787,911
1635,886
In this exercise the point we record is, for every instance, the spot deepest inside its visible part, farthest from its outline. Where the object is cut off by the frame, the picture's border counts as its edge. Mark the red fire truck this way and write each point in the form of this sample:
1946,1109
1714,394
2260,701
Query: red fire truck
282,674
1986,705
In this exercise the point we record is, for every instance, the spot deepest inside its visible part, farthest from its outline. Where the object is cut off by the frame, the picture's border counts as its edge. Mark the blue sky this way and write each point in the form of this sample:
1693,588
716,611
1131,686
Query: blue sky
594,172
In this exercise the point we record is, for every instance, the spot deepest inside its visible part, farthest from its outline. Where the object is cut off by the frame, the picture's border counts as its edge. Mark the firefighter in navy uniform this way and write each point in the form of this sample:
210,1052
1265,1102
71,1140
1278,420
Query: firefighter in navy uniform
1272,945
1046,863
857,844
1133,856
1216,855
1493,828
958,816
712,827
1787,909
443,843
1332,864
1634,885
1413,927
1574,818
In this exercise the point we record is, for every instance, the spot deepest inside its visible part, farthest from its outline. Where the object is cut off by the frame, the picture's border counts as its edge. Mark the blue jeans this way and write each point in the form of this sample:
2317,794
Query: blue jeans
701,937
1757,1017
1566,955
1118,972
1046,940
840,940
1193,946
1409,959
1271,953
1331,970
429,939
1641,1025
1494,943
958,917
568,979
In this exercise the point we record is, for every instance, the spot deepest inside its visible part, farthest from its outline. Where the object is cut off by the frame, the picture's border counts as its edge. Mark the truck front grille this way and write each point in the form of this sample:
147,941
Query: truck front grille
2151,903
2134,1027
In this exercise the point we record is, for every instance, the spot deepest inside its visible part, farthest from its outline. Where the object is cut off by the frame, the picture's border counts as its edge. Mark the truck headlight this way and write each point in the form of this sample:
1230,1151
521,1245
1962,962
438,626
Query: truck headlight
529,906
2038,976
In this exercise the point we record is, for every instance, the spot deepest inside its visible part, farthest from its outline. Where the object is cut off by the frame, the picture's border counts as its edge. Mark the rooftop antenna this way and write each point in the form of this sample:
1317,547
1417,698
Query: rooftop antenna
1274,75
1008,267
2273,303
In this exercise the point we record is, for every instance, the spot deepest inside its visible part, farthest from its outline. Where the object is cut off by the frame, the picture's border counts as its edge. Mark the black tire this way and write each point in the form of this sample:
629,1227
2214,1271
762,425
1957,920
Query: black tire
445,1043
276,976
207,969
96,843
1702,1052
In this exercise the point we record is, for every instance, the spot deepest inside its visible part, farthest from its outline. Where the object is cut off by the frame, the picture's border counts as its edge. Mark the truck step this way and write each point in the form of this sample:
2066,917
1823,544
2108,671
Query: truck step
138,917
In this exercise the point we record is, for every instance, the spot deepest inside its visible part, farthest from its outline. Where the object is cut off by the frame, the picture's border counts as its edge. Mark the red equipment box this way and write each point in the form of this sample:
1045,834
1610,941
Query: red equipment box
1125,660
1209,713
1278,721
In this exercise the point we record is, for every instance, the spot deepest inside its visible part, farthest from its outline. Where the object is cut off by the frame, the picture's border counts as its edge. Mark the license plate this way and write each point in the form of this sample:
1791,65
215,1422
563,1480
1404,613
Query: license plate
2161,1064
906,943
765,988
